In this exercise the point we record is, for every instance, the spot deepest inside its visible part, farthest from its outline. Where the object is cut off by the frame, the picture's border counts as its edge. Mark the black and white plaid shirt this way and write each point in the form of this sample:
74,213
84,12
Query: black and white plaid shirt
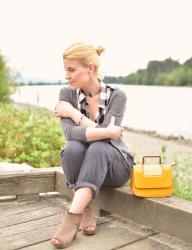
105,94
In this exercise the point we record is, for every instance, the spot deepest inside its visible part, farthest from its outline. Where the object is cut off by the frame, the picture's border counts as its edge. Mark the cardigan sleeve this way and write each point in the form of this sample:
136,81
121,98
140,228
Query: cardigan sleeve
70,130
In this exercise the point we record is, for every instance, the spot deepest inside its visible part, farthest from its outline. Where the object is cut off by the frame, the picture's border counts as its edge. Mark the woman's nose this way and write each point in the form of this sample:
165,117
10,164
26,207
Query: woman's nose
67,76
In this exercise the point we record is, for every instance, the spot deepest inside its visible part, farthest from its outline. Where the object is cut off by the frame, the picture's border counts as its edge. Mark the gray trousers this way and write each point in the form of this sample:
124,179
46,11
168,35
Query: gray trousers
93,165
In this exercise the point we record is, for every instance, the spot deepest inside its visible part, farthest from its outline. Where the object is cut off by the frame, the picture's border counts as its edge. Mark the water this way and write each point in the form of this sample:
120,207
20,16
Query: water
165,110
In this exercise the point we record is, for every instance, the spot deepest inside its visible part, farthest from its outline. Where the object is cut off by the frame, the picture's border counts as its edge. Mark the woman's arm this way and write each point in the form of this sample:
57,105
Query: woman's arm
65,109
110,128
86,131
112,132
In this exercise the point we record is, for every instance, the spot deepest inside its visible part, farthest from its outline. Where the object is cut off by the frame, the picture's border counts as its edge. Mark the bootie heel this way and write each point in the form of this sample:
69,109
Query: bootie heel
67,230
88,221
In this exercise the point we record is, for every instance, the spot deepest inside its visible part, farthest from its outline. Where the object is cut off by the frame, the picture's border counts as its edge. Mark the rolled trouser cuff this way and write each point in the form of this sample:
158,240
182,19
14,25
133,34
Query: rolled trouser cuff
70,185
93,187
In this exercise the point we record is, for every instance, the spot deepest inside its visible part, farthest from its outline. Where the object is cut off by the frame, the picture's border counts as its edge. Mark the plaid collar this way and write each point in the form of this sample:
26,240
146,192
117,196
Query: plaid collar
105,95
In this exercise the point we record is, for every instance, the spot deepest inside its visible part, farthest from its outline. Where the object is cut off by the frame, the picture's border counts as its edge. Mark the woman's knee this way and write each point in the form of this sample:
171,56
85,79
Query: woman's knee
72,157
97,148
73,150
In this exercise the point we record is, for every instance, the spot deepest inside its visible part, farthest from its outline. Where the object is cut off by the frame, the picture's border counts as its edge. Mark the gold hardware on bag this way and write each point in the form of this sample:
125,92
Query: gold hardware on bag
173,164
152,180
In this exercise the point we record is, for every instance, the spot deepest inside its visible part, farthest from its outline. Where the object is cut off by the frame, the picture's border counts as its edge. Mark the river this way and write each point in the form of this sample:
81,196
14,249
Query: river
164,110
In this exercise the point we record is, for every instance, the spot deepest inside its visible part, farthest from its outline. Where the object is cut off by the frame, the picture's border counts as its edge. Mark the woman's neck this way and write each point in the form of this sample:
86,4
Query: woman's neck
93,88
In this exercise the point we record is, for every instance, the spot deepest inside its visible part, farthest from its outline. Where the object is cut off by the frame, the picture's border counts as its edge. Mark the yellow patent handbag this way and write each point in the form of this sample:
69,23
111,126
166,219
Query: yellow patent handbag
152,180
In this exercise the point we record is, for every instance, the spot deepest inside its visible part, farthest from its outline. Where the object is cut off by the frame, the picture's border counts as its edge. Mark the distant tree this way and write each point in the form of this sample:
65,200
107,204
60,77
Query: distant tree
4,80
166,72
180,77
160,79
121,79
156,67
111,79
130,79
188,62
169,65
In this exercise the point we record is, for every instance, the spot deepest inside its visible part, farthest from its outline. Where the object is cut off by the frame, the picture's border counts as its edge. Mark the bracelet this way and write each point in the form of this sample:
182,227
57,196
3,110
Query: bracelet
79,121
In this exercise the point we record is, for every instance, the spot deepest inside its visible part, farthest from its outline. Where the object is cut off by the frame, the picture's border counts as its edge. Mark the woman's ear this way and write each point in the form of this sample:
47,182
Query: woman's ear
91,68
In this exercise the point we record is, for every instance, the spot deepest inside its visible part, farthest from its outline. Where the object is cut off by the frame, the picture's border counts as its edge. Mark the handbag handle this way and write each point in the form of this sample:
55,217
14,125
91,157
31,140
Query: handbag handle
151,156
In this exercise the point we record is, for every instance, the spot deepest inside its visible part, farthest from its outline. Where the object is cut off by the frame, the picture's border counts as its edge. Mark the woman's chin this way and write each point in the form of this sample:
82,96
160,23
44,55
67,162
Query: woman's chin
73,87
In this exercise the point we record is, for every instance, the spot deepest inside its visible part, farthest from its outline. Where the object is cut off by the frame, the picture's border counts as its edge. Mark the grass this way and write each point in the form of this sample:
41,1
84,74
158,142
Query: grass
182,177
31,136
181,174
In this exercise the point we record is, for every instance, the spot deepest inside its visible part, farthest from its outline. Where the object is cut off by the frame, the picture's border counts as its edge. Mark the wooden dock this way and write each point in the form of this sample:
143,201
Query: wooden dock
125,222
30,226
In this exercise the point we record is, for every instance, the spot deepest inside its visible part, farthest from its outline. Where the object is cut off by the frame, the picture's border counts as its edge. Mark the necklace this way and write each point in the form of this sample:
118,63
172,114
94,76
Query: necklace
93,94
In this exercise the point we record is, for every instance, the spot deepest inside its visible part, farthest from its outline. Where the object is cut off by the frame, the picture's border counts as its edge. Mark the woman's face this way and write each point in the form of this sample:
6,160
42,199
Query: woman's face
76,74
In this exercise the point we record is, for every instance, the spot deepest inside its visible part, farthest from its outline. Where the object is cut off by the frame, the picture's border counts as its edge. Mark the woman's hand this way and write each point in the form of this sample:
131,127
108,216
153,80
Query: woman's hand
64,109
115,132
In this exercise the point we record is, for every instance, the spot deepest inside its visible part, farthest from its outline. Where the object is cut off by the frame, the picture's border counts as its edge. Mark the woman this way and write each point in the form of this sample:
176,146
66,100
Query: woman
91,114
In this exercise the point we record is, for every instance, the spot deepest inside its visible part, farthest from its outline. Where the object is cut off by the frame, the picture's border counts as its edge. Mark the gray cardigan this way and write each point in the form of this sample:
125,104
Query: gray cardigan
116,107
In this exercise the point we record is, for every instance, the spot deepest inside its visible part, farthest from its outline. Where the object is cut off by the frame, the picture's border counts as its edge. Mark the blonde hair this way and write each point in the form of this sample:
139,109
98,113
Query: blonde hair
86,54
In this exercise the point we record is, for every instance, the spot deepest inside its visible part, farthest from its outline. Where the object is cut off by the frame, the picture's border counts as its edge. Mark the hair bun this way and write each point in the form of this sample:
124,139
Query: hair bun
100,50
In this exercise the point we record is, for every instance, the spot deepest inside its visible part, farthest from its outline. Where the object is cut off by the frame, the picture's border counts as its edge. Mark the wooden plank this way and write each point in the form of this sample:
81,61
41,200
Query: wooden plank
28,216
146,244
27,183
28,197
30,226
28,238
17,208
109,236
52,217
32,232
33,173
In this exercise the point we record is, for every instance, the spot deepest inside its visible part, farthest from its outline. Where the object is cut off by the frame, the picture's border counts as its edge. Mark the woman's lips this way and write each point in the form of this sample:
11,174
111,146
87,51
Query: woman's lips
71,84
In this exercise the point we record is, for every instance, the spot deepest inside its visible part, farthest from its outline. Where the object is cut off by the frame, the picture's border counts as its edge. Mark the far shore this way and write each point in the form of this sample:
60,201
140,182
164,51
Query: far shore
142,143
178,139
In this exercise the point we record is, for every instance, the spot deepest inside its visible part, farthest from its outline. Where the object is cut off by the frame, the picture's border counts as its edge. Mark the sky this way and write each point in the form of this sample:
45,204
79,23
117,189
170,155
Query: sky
34,33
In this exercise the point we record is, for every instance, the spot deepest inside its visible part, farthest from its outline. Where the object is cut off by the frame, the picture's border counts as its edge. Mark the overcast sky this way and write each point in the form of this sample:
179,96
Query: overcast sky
34,33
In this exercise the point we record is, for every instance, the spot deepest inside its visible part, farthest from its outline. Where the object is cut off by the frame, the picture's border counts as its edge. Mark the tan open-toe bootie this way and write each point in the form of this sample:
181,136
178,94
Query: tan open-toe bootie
67,230
89,222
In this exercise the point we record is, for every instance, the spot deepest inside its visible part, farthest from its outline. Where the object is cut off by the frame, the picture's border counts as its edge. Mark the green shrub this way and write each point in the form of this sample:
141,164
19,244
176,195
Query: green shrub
4,80
180,77
181,173
32,136
183,177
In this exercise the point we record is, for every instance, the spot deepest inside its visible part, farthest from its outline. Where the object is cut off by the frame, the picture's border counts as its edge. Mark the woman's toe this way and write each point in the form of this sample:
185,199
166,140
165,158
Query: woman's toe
55,241
90,229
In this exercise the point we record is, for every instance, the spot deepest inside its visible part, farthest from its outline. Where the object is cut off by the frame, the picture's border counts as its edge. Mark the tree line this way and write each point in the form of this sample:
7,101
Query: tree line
167,72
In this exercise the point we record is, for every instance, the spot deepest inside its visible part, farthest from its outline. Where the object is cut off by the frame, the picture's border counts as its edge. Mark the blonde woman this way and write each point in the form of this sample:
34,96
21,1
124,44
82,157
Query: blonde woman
91,114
